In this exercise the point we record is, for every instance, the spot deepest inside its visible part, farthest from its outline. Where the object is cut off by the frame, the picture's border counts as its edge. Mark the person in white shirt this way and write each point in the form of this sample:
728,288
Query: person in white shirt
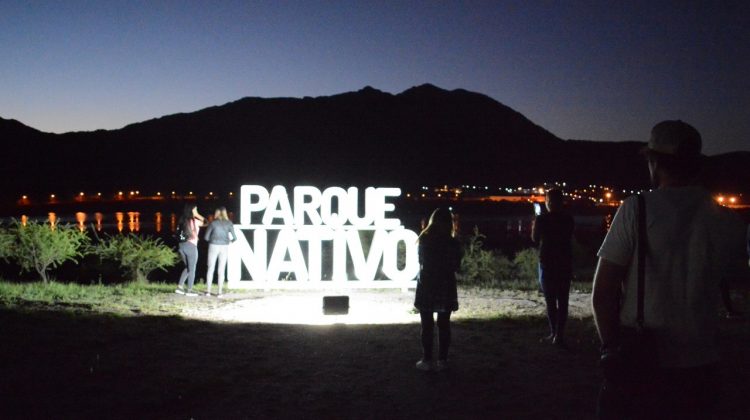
688,255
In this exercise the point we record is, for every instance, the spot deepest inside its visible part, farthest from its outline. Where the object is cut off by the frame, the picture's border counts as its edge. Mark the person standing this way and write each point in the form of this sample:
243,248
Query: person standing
219,234
190,223
553,233
439,259
688,248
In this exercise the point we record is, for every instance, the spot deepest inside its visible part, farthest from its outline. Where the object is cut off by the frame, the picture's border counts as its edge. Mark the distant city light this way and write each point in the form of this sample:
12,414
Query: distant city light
80,194
51,196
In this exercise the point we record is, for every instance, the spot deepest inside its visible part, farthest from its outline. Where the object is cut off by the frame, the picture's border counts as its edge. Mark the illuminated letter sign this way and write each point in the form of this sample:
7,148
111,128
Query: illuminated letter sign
340,238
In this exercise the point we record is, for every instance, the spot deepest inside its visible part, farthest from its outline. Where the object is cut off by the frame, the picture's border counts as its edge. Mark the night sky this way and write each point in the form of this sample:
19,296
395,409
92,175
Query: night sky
584,70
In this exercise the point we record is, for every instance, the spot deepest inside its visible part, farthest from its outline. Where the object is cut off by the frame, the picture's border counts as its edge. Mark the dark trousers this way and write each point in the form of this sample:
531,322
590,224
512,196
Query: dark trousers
444,334
689,393
555,283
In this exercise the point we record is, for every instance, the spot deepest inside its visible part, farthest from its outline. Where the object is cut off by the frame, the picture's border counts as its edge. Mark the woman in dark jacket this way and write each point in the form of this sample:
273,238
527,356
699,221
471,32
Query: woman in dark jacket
439,259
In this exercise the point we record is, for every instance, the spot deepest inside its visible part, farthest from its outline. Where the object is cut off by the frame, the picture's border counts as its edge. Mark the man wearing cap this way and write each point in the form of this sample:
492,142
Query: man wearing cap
688,244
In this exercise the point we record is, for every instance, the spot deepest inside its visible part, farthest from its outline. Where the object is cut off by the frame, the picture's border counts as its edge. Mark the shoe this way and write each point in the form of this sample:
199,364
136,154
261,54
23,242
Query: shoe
424,365
191,294
441,365
548,339
208,293
179,291
219,295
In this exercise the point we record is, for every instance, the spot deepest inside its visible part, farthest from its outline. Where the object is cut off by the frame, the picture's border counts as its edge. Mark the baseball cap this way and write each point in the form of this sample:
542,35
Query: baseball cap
676,138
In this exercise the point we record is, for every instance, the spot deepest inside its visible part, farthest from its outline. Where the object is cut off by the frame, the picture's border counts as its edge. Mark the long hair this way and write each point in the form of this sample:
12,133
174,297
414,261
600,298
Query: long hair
187,216
439,226
221,213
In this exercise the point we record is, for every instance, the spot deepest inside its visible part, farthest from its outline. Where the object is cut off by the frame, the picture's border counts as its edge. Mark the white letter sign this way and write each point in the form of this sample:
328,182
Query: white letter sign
335,238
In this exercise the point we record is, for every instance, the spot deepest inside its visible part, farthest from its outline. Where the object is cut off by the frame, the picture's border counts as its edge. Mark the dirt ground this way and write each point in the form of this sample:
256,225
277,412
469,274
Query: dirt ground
85,365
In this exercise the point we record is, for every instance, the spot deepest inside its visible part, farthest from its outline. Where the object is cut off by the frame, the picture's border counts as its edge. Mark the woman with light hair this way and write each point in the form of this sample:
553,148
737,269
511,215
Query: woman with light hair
439,259
220,234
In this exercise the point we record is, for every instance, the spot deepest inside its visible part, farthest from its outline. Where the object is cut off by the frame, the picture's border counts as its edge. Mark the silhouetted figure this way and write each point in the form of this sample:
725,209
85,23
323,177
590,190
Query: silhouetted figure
439,259
553,232
220,234
190,223
687,247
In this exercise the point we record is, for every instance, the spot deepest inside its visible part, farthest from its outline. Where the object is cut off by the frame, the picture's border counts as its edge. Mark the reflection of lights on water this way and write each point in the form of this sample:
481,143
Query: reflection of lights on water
307,309
24,220
134,223
52,218
81,219
119,216
157,221
98,217
172,222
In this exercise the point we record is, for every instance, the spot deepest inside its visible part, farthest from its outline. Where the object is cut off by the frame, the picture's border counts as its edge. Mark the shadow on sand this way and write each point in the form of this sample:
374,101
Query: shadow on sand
68,365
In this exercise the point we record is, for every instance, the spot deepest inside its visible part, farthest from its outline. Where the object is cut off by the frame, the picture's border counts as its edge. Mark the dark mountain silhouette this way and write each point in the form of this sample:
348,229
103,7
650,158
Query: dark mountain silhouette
424,135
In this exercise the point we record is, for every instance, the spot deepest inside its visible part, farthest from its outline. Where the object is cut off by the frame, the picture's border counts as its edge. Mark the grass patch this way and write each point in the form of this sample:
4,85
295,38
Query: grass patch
125,298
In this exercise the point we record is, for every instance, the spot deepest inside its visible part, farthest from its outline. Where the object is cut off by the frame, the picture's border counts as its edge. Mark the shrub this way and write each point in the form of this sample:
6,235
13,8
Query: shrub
478,266
41,247
137,255
7,241
526,263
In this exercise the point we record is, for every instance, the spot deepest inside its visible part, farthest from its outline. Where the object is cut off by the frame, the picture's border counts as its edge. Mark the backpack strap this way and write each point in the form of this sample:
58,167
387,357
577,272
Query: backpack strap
642,247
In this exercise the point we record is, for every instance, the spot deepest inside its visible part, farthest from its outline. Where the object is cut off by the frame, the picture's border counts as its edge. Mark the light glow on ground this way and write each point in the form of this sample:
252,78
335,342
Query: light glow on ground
367,307
306,308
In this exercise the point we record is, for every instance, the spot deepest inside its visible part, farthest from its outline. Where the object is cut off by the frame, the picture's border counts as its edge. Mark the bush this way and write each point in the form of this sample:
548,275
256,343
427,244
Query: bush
478,266
7,241
41,247
137,255
491,268
526,263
